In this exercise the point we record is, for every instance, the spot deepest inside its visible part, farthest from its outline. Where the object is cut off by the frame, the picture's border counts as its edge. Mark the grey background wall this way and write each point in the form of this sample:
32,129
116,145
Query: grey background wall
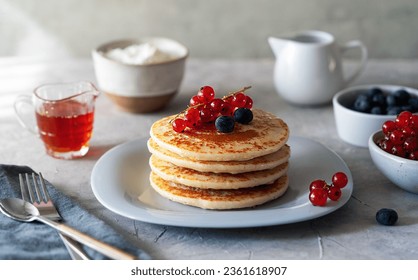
210,28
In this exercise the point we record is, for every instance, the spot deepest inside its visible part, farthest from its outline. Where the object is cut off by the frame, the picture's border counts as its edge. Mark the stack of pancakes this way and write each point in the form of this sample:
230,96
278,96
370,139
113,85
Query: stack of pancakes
213,170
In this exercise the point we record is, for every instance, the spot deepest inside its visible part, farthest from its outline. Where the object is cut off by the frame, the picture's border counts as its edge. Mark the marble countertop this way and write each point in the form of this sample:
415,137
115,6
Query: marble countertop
348,233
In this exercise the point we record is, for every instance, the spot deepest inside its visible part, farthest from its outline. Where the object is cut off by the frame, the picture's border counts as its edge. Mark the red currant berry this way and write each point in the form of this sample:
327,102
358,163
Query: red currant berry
248,102
405,115
195,100
192,117
206,114
190,124
397,137
413,155
227,109
217,104
228,99
317,184
239,100
386,146
388,127
413,123
410,144
339,180
192,114
179,125
403,119
408,131
399,151
318,197
334,193
206,94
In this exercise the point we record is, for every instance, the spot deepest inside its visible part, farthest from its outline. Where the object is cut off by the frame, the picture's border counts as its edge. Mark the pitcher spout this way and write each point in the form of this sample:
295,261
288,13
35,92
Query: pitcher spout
276,45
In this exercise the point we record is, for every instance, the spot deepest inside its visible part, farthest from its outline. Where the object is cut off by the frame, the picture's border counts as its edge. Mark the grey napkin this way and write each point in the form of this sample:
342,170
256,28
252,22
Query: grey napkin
19,240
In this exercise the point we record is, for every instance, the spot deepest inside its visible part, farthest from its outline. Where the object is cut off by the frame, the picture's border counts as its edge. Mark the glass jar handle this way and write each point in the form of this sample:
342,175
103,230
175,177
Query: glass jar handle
21,102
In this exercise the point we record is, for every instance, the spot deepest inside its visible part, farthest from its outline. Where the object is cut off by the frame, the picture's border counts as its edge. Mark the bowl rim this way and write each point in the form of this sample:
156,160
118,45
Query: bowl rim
99,51
336,101
375,148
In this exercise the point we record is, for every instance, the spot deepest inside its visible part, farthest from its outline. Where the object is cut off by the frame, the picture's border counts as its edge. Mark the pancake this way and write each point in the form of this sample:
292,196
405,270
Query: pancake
259,163
265,134
209,180
219,199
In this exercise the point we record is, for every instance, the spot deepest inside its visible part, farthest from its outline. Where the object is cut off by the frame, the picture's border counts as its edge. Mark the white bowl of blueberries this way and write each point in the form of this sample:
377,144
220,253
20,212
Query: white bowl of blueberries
360,111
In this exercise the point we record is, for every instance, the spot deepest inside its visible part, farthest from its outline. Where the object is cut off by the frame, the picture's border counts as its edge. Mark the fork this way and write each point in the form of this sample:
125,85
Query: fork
40,199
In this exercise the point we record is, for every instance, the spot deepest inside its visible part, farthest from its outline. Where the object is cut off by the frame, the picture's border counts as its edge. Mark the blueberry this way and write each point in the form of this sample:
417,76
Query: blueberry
379,99
407,108
362,104
225,124
391,100
402,96
413,102
364,96
374,91
377,110
243,115
387,217
395,110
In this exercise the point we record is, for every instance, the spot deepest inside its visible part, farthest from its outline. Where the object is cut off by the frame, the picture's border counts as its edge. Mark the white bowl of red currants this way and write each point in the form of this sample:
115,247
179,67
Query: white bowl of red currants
394,150
361,110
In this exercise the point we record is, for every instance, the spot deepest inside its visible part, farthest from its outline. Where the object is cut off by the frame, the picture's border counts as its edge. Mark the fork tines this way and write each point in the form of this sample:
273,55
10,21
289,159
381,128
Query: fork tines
35,193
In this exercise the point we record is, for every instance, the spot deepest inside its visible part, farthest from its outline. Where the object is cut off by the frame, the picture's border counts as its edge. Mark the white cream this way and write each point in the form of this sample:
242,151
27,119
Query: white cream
141,54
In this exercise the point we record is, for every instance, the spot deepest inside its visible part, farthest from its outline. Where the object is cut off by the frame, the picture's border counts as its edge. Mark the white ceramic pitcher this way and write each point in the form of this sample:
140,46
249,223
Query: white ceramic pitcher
308,68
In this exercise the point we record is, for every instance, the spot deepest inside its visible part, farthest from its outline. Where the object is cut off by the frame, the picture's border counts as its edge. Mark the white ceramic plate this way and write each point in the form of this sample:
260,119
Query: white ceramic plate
120,181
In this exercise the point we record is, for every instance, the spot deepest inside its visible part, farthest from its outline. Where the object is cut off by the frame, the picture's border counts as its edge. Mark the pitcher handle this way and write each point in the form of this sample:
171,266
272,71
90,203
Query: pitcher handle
351,45
20,101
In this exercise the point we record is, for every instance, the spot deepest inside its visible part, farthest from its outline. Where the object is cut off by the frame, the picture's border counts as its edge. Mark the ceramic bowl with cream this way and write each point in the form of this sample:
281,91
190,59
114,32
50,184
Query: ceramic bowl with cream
140,76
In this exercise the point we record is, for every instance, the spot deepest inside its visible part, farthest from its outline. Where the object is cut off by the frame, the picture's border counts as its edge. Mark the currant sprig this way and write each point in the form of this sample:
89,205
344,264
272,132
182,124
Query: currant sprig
320,191
233,93
205,109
